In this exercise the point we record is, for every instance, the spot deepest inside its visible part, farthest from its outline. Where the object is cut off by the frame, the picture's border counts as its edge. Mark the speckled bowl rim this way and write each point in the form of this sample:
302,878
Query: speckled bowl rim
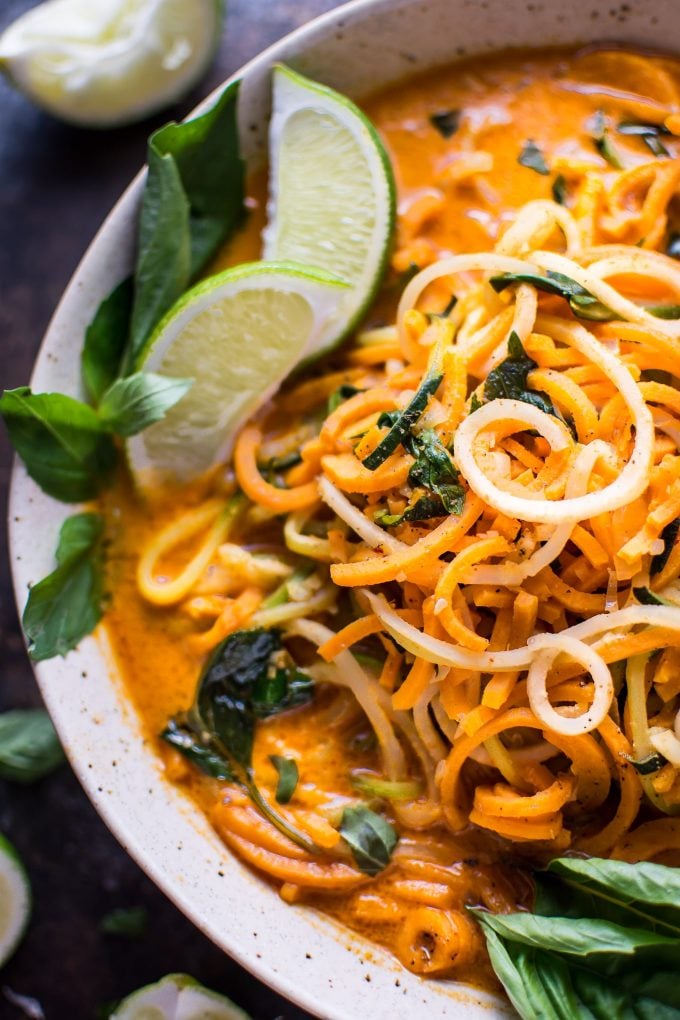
298,952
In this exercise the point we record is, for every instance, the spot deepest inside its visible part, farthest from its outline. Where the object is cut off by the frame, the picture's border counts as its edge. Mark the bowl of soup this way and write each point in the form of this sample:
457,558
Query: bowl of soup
524,139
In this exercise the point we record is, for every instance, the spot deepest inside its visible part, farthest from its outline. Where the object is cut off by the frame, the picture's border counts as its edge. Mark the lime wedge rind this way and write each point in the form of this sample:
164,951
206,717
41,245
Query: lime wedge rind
332,192
177,997
238,335
101,65
15,899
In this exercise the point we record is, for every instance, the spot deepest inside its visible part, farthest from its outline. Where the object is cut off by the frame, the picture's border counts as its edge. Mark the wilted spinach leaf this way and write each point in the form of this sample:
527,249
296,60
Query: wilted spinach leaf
509,379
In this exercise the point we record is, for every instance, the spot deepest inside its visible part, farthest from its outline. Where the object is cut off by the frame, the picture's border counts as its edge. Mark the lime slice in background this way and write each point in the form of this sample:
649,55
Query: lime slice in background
100,63
15,899
332,193
177,997
237,335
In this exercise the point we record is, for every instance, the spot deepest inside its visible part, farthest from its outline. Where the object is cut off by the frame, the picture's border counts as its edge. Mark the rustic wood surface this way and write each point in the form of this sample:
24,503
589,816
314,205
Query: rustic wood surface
56,185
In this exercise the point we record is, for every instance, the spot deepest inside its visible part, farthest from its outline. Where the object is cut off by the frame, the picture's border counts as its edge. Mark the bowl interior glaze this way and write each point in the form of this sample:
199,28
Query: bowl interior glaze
358,48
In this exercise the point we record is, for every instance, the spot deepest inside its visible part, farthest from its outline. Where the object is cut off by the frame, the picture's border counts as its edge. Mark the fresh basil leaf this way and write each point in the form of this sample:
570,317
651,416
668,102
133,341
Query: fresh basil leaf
559,190
180,735
206,153
648,765
669,536
403,422
664,311
288,777
608,947
129,922
62,442
592,937
649,892
163,269
532,158
370,837
538,985
603,142
343,392
130,405
673,246
434,470
475,403
106,339
509,379
446,122
29,746
67,604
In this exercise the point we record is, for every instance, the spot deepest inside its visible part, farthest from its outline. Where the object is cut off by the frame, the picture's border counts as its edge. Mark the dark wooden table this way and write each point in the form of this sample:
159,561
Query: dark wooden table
56,185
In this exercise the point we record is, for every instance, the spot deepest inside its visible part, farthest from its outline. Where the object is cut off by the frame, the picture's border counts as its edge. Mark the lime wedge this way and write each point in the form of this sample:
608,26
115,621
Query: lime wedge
237,335
332,193
112,61
15,899
177,997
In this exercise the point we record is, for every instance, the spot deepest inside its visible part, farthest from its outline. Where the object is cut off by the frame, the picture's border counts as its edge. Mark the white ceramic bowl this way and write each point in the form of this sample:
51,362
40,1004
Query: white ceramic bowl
357,48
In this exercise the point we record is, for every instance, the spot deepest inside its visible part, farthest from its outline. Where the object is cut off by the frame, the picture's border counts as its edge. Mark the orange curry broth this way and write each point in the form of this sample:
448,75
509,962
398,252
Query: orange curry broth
505,100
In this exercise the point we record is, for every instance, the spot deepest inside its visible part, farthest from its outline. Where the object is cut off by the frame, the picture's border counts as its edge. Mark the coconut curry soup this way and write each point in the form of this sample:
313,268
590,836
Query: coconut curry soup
430,604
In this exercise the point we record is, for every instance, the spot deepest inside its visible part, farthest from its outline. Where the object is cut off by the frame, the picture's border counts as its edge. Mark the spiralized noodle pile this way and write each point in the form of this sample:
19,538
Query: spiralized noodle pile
517,654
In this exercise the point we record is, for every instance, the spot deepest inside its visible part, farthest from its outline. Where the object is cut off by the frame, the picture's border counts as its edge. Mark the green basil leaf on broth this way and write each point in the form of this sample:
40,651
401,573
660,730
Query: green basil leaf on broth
370,837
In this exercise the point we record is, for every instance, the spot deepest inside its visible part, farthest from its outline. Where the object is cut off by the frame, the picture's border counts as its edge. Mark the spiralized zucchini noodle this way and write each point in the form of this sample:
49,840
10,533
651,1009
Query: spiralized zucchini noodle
513,640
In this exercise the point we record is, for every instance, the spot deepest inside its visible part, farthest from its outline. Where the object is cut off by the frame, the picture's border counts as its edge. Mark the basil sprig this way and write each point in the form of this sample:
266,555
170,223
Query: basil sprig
64,445
192,200
67,446
29,746
603,941
242,682
68,603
